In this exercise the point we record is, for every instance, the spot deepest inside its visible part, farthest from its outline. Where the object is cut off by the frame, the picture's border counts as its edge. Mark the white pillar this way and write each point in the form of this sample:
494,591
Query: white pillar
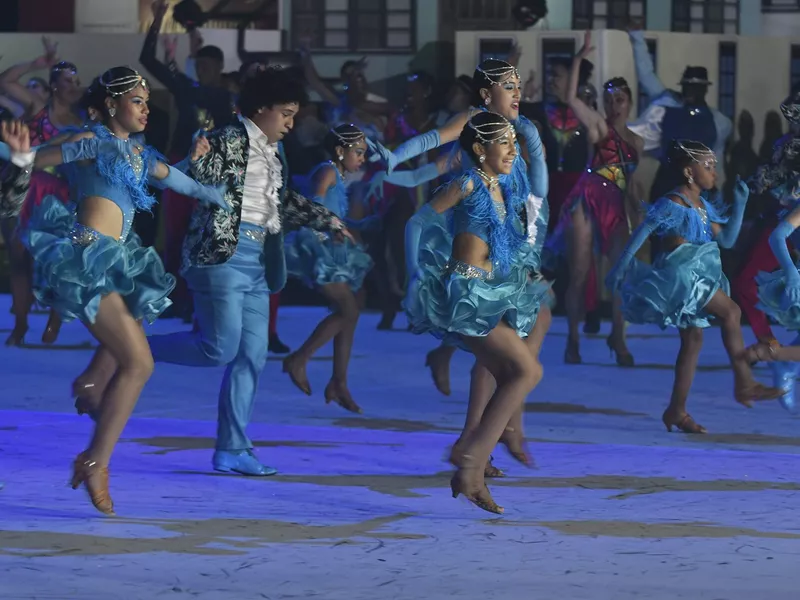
107,16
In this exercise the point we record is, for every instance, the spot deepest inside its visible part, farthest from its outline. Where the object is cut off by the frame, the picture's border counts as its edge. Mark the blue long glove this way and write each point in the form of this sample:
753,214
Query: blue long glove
186,186
727,237
616,276
184,165
414,178
537,166
414,228
413,147
777,241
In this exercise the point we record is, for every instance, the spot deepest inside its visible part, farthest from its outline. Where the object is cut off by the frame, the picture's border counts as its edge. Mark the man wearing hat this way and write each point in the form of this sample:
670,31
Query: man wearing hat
675,115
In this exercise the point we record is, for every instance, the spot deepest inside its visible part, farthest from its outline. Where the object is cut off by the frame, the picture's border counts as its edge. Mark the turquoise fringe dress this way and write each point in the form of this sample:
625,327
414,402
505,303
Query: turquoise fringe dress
317,259
452,299
675,289
74,266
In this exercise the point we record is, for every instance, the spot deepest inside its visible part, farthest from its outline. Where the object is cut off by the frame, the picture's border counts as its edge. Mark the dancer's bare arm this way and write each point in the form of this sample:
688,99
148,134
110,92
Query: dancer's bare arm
591,119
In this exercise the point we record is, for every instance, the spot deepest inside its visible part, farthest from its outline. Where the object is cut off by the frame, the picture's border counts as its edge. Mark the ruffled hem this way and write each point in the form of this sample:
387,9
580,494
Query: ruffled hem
772,300
73,279
675,290
317,262
452,306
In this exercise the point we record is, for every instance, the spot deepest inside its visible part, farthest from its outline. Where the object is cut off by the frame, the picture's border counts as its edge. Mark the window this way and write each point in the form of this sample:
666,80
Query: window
554,48
355,25
644,100
794,67
780,6
705,16
606,14
727,79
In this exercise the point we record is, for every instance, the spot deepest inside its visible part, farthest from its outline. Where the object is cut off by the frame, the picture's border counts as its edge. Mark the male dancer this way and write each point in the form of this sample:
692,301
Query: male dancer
232,262
675,115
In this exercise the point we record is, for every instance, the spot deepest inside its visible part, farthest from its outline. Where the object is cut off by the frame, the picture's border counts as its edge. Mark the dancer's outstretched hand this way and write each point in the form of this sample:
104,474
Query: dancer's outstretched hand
741,191
382,154
200,147
16,135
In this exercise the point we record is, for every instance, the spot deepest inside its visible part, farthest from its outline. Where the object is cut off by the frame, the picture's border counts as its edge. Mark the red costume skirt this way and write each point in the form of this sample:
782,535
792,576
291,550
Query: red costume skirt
42,184
603,203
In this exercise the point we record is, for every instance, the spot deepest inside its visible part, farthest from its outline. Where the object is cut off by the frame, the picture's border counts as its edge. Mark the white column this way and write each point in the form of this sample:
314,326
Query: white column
107,16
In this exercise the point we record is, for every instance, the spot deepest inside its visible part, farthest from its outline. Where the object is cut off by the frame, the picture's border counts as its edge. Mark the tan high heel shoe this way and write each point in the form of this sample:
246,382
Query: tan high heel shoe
481,498
337,391
95,479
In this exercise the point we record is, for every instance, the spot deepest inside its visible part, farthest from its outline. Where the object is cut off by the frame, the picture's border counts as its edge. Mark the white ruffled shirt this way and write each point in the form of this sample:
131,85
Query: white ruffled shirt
262,181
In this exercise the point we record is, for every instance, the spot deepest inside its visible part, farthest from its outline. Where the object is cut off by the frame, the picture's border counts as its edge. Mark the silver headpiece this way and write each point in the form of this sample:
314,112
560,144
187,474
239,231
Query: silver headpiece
348,139
498,75
698,154
122,85
491,133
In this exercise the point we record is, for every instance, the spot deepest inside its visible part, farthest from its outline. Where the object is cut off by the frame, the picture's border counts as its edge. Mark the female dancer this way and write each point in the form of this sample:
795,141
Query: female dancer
45,118
496,88
685,286
337,269
469,287
594,216
86,265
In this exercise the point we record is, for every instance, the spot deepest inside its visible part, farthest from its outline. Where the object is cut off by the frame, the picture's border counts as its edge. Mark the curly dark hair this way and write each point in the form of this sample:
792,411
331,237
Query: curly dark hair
271,86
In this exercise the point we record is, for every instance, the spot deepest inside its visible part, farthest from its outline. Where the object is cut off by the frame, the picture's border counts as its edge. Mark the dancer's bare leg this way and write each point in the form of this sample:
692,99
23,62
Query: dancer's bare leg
580,260
438,360
685,367
616,341
746,388
117,331
343,319
516,372
89,387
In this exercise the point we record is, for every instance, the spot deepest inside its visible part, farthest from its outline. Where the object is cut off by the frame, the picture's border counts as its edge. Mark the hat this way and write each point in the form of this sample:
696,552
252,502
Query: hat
695,75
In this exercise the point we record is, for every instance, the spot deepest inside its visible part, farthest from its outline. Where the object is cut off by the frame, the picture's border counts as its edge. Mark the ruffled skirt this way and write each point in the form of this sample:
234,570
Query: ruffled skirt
74,267
604,204
317,260
675,289
43,185
453,300
772,300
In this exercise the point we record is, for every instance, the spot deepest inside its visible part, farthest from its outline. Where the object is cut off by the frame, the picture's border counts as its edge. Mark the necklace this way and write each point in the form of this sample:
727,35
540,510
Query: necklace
491,182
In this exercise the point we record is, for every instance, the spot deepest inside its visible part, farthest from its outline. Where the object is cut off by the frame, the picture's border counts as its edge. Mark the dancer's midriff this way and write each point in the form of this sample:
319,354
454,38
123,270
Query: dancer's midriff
471,249
102,215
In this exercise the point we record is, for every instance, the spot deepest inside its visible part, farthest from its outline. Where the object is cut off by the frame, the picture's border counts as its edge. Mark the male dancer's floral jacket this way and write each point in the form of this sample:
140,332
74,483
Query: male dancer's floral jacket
14,185
214,234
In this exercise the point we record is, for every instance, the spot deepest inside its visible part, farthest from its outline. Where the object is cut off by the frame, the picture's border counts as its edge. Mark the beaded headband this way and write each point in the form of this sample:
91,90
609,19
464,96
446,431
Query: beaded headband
697,154
612,88
348,139
491,133
497,75
122,85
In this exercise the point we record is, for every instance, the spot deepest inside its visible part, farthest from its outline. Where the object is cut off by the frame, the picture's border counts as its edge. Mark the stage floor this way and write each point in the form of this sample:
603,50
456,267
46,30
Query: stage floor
617,508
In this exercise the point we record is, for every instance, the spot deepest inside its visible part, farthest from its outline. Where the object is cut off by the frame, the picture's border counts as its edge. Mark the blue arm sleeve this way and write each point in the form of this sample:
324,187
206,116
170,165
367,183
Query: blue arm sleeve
184,165
727,236
414,147
413,178
537,166
83,149
777,241
617,274
414,228
186,186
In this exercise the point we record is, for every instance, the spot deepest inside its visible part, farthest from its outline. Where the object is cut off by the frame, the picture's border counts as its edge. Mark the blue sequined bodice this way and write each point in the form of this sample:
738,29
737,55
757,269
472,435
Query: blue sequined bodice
693,224
498,224
335,199
119,174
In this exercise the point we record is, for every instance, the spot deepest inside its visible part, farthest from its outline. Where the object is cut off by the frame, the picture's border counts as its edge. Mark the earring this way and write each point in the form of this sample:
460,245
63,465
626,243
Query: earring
112,112
339,157
486,102
481,158
691,180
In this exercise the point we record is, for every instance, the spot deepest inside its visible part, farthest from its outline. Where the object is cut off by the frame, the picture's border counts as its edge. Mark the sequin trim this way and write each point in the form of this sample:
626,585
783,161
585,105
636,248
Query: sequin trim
81,235
466,270
255,235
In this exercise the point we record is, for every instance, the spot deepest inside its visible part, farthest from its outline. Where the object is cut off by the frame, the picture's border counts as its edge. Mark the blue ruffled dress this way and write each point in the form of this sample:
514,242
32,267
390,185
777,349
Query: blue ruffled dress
74,266
675,289
452,299
316,258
